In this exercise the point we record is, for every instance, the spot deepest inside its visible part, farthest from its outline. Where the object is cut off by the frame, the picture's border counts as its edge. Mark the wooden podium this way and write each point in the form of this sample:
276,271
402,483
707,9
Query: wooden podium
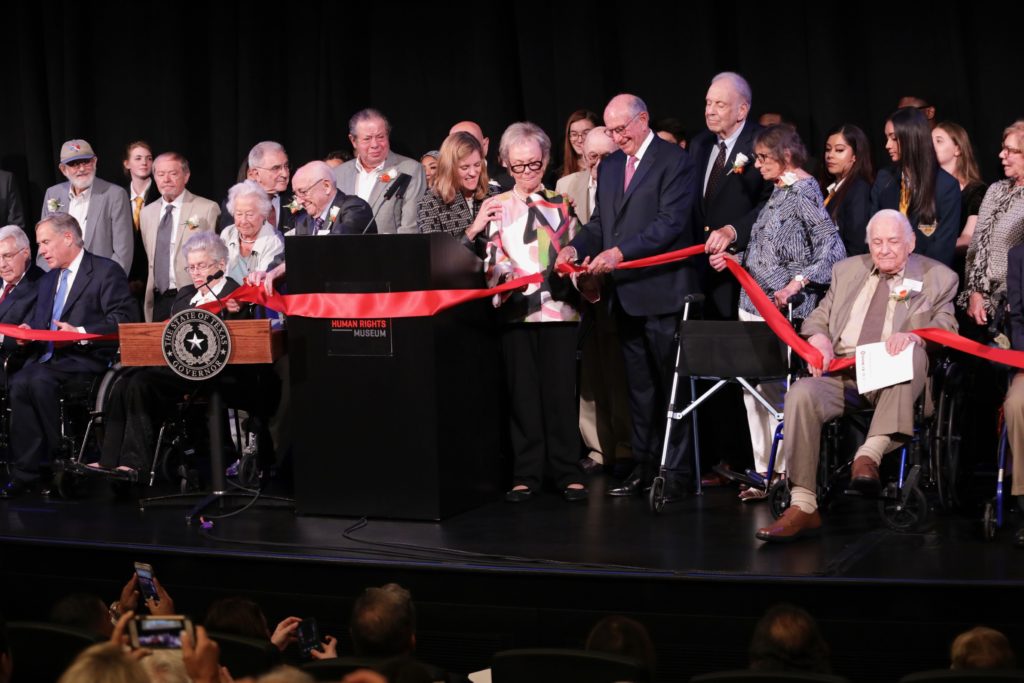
252,342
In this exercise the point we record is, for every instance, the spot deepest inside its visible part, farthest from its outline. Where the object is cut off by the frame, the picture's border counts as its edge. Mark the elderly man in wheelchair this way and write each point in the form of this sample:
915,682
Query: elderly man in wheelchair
882,296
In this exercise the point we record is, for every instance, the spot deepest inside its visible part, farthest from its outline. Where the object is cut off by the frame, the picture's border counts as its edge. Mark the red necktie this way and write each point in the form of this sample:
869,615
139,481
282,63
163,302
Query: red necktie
7,290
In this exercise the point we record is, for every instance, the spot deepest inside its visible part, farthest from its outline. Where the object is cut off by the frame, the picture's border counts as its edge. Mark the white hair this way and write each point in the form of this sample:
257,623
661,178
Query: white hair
17,234
260,150
738,82
209,242
890,215
248,188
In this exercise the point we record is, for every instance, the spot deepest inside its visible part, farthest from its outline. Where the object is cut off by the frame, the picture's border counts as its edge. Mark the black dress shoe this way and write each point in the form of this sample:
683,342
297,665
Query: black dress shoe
590,466
518,495
634,486
572,495
15,488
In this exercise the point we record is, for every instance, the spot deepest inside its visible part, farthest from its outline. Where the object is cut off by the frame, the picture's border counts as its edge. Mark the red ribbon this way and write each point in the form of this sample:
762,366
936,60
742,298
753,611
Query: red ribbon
56,336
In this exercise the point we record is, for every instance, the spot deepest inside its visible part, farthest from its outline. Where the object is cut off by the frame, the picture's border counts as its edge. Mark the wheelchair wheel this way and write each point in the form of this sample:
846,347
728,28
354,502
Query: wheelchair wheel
656,498
900,515
950,480
66,483
779,497
988,521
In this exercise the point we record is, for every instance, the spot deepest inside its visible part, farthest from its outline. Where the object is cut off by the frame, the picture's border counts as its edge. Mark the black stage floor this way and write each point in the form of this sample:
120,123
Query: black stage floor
539,573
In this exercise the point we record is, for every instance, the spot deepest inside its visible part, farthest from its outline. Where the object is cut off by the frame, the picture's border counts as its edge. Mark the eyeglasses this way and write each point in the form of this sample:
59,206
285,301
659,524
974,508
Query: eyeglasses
521,168
276,168
612,132
594,157
200,267
1010,150
303,192
7,258
580,135
761,158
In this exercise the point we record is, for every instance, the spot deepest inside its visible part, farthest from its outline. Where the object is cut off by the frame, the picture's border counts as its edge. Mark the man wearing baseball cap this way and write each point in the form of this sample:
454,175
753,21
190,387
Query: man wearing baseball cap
102,209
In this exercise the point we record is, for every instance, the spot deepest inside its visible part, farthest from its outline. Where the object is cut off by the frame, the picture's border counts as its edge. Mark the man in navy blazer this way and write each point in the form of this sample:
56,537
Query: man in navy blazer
20,281
82,292
730,191
645,194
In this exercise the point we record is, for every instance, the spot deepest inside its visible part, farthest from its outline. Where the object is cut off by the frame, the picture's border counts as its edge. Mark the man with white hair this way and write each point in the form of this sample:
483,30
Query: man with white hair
268,166
731,192
101,209
20,282
166,225
880,296
376,169
325,209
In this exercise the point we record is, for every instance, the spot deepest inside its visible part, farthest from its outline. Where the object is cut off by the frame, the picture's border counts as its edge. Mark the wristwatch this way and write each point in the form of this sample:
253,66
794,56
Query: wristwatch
800,280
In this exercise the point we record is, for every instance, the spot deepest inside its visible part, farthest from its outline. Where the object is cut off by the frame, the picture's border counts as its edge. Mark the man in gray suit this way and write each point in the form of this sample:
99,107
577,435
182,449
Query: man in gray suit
376,169
883,296
102,209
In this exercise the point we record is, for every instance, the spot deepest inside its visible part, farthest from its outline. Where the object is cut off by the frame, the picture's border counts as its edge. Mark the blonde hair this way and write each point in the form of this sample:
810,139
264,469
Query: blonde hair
104,662
454,149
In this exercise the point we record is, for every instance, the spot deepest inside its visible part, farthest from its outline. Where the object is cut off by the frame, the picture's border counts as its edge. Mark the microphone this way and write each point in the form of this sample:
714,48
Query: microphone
397,187
210,278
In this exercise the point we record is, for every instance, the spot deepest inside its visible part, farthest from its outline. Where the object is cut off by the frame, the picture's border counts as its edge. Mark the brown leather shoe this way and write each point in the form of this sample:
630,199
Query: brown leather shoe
794,524
864,477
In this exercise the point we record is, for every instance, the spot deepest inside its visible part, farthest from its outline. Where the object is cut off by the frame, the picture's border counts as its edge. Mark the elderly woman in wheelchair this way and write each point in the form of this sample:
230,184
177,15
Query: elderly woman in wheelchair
880,297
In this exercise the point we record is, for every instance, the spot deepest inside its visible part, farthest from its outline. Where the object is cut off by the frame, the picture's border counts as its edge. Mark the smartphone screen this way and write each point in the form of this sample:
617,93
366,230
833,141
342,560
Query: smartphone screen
308,636
146,586
159,633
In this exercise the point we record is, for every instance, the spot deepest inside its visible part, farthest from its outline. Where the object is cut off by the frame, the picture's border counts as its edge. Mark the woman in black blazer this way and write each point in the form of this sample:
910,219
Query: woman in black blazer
846,178
917,187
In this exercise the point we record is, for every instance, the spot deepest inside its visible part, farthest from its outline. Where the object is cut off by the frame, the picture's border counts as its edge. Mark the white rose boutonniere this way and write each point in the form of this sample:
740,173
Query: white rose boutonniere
192,223
293,205
388,175
739,163
332,215
789,178
53,205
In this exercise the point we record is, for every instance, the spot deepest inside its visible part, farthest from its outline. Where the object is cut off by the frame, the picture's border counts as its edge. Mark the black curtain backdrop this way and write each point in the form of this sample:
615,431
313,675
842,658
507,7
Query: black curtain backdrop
211,79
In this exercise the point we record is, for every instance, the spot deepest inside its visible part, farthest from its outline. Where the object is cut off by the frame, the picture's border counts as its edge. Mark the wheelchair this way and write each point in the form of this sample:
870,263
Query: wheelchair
930,462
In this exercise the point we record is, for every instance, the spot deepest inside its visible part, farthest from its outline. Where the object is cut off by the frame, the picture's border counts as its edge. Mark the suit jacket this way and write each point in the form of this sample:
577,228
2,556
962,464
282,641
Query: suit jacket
398,214
1015,295
353,218
285,217
851,216
737,202
931,307
651,217
98,301
140,262
941,243
203,210
184,299
108,230
10,204
20,302
577,187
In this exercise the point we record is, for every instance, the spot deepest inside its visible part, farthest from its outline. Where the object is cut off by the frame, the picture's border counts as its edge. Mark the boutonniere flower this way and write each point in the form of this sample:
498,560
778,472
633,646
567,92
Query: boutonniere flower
900,294
333,214
789,178
739,163
53,205
388,175
294,205
192,223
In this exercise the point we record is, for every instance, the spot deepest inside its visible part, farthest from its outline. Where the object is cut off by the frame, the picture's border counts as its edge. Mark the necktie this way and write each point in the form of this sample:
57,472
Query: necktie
318,224
717,173
272,216
58,309
7,290
630,170
162,256
136,211
874,319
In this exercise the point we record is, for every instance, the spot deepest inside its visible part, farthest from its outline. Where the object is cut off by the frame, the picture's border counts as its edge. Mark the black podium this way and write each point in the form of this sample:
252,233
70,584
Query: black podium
392,417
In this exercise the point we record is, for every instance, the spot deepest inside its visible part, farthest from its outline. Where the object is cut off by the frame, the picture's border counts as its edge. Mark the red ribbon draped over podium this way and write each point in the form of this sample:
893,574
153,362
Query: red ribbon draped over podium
432,302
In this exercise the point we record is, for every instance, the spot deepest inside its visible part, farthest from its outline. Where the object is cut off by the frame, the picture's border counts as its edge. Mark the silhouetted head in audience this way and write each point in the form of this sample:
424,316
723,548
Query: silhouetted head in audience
237,616
981,648
83,611
383,622
622,636
5,653
286,674
787,639
166,666
105,662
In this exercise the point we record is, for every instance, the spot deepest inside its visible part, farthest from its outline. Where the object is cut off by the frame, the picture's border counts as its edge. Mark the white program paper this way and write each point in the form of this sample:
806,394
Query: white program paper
876,369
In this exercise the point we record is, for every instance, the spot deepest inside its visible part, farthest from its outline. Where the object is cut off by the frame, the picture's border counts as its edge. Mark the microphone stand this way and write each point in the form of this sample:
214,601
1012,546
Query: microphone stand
396,187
